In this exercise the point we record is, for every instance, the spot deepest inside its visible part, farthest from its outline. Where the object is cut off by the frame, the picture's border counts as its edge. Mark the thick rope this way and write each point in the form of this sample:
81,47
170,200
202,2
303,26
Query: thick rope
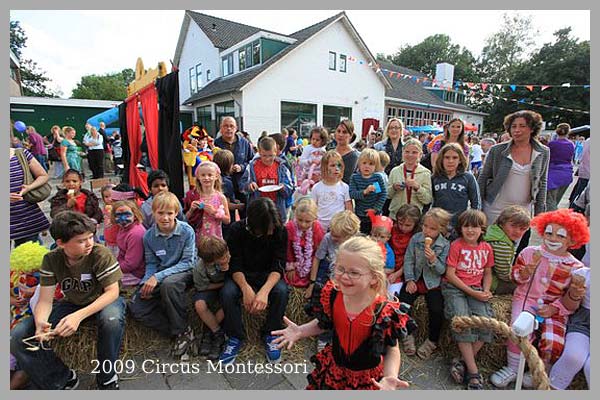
536,365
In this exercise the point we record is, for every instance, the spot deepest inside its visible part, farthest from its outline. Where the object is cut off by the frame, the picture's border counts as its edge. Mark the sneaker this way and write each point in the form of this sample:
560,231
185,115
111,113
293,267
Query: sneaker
112,384
321,344
273,353
218,340
232,349
503,377
182,342
72,382
206,343
527,380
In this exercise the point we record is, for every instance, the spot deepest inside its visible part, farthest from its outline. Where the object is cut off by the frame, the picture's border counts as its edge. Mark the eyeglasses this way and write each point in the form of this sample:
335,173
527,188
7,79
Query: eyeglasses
352,275
395,128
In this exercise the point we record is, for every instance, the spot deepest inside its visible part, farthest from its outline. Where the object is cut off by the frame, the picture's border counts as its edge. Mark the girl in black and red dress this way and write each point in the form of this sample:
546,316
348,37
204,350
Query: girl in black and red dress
364,354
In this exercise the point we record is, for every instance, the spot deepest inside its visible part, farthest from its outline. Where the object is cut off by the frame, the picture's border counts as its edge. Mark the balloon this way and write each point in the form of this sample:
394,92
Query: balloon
304,142
299,141
20,126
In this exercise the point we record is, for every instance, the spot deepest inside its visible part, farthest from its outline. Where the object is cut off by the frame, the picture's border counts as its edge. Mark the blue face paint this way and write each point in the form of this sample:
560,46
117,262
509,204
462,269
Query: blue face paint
124,218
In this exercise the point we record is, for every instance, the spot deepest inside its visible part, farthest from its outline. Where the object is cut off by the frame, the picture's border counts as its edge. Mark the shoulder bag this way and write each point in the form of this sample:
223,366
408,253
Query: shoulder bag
34,195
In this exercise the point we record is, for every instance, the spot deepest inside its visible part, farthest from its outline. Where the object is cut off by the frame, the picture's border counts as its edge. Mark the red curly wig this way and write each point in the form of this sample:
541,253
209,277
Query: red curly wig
575,224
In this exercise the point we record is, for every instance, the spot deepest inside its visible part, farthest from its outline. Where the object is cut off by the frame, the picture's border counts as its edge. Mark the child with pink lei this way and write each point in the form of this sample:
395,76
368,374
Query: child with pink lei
304,236
128,218
205,205
110,230
543,275
466,291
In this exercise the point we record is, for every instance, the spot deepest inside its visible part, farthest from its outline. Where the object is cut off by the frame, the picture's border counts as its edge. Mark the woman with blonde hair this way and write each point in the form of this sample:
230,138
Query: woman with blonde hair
391,143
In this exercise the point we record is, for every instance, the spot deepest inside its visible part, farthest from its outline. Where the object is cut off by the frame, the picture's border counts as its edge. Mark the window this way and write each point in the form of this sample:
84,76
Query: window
242,57
193,87
333,115
391,112
198,76
410,115
207,75
204,118
300,116
222,110
227,65
256,52
419,118
342,63
332,56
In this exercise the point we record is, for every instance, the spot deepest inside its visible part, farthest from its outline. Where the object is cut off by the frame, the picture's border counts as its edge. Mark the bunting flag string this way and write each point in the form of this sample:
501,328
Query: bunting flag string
488,86
522,101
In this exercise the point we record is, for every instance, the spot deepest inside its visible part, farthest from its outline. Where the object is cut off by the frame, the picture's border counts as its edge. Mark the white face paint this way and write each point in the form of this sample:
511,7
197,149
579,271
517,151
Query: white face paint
562,232
548,229
553,246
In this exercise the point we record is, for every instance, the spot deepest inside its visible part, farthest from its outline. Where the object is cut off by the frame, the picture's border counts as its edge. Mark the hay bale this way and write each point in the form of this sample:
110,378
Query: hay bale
491,357
79,350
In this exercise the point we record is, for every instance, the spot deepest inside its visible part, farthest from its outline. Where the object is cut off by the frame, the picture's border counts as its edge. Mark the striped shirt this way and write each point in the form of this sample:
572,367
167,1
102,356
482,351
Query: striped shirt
85,281
26,219
372,200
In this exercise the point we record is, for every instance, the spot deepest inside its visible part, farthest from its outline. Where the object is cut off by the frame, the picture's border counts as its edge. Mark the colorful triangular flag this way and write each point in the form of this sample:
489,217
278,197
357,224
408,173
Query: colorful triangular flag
484,86
530,87
544,87
513,87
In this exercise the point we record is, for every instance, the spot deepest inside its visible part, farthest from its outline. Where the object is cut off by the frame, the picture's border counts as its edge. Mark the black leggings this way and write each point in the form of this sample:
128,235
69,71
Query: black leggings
435,307
96,161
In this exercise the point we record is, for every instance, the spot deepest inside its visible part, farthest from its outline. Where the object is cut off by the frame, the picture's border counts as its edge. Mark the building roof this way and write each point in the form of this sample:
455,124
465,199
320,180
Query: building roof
406,89
234,82
223,33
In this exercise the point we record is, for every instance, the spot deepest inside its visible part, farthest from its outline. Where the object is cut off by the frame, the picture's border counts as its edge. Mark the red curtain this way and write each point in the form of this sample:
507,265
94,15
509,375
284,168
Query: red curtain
134,133
149,101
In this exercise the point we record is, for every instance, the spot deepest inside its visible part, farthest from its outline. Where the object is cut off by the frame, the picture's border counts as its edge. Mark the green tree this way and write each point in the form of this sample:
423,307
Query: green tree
566,60
34,81
104,87
424,57
506,49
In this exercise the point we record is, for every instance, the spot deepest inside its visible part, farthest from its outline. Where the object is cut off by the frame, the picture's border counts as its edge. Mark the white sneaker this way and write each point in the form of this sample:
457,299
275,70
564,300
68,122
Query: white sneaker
527,380
503,377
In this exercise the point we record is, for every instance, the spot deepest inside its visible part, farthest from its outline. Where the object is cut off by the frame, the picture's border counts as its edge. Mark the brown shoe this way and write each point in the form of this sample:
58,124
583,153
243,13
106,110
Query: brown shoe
426,349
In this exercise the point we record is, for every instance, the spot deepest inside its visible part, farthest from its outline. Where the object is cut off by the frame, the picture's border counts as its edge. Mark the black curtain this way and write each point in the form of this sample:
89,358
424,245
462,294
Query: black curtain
169,134
124,140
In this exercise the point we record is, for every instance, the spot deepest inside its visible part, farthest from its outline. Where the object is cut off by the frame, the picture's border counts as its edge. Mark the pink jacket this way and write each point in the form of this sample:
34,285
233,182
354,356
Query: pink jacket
549,282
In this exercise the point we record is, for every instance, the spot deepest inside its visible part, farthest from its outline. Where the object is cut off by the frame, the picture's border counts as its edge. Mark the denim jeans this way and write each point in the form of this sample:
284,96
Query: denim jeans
166,310
43,160
45,369
231,300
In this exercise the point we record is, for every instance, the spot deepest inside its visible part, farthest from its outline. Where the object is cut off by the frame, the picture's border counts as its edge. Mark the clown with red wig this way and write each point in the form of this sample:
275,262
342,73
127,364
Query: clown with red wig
543,275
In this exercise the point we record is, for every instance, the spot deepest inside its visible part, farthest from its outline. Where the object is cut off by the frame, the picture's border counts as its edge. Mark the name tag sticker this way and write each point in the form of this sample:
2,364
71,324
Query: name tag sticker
86,277
161,252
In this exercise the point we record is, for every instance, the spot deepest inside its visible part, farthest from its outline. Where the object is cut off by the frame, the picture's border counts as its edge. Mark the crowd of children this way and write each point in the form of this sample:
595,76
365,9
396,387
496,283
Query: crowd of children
305,227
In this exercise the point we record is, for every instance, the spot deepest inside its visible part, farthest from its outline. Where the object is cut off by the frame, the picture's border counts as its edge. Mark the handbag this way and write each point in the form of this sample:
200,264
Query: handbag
34,195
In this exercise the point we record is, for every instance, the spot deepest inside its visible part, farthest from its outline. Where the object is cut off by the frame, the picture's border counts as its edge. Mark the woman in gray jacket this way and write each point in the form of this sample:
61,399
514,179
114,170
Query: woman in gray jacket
516,172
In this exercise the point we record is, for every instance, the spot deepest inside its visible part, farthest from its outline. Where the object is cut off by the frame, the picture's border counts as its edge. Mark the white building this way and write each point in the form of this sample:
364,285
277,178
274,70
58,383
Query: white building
268,80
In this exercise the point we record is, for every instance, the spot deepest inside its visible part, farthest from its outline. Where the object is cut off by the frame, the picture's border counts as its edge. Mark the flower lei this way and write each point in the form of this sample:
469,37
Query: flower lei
303,256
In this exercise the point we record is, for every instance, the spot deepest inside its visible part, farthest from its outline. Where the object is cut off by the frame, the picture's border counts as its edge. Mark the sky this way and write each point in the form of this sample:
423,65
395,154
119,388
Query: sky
79,43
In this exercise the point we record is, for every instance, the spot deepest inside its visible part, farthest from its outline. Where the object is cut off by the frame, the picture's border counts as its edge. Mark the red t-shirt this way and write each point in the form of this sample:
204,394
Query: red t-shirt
470,261
267,175
399,242
80,202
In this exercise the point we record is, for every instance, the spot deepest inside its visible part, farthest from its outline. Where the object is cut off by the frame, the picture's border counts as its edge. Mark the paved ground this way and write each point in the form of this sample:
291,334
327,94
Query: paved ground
432,374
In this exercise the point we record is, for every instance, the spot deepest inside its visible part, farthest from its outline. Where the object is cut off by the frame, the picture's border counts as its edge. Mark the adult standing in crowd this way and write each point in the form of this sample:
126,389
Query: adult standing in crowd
95,144
391,143
108,161
56,138
454,132
26,219
560,169
291,146
242,153
583,172
70,153
37,149
516,172
344,135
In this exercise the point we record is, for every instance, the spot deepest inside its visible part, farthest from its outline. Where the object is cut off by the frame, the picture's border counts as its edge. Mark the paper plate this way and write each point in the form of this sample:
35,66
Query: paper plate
270,188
